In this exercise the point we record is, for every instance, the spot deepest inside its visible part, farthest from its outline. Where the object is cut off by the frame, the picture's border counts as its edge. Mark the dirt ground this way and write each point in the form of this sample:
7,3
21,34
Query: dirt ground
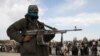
9,54
12,54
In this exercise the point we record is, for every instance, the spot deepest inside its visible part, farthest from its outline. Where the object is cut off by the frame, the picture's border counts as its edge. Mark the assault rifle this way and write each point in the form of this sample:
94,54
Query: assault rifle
33,32
41,32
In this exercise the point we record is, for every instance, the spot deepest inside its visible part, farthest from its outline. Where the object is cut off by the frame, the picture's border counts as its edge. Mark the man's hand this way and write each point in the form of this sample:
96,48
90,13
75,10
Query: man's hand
55,30
27,38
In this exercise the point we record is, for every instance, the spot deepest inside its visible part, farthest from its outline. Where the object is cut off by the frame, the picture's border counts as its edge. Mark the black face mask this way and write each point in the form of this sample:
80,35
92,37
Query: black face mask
32,15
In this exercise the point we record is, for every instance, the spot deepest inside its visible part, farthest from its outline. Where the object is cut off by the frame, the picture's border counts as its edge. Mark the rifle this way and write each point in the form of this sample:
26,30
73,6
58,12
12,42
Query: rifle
46,32
33,32
41,32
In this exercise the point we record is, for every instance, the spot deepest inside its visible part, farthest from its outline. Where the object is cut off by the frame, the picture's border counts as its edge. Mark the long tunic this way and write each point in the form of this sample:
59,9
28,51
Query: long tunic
28,48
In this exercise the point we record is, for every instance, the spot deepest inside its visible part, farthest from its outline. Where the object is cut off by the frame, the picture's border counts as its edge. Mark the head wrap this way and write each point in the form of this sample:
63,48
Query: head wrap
32,12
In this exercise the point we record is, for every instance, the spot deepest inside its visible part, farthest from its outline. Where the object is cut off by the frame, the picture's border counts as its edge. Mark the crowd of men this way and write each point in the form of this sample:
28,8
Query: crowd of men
6,48
76,48
9,46
68,48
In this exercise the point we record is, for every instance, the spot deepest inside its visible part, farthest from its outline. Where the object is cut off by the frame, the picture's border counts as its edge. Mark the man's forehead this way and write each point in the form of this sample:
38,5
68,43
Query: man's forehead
33,8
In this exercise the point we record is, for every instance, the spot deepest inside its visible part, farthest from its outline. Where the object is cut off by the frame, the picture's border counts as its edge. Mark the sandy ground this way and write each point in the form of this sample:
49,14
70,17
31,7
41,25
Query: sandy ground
9,54
12,54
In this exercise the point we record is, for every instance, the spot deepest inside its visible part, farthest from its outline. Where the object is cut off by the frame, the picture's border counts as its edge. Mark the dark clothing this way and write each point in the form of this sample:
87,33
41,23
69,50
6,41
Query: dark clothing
28,48
94,50
74,50
84,50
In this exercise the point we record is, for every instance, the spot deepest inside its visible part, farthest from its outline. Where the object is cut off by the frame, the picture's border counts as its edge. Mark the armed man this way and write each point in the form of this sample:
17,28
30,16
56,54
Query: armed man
30,45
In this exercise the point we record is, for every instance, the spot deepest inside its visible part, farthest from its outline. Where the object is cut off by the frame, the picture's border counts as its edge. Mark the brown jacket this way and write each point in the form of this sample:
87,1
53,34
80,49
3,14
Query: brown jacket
28,48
